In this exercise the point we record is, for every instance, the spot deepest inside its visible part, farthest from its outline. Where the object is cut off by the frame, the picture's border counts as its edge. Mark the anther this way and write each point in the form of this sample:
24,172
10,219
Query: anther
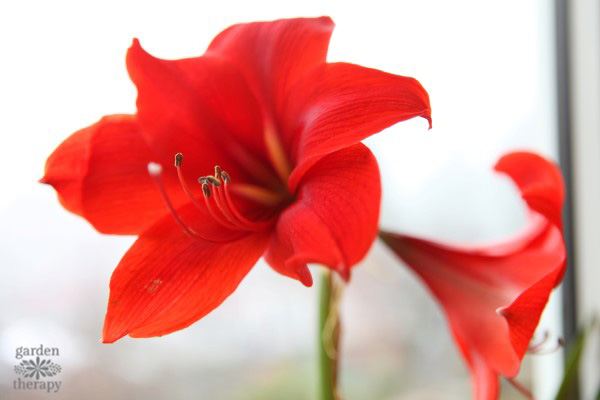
209,179
206,189
216,193
225,177
178,159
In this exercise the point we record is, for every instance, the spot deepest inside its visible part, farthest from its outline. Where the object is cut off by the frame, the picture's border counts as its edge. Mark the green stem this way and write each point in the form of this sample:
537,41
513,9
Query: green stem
328,338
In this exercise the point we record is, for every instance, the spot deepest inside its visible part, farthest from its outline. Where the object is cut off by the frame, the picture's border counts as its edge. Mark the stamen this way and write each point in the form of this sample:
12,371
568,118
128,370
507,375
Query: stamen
207,192
209,179
226,177
252,224
178,159
536,345
184,185
543,346
227,215
155,171
542,350
212,188
220,201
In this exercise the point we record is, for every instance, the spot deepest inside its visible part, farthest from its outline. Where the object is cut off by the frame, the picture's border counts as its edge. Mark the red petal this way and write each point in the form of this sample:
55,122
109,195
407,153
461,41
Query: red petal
486,385
274,55
100,173
340,104
334,218
201,107
493,296
541,187
167,280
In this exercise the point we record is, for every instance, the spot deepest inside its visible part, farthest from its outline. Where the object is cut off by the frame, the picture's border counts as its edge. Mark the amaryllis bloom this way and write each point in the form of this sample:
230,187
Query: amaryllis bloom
493,296
265,137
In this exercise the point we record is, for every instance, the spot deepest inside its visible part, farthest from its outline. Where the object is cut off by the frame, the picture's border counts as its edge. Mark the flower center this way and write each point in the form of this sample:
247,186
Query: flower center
216,190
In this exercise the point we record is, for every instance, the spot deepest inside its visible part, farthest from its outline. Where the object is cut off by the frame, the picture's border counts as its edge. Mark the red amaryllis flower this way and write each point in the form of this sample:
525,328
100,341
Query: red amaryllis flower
493,296
294,182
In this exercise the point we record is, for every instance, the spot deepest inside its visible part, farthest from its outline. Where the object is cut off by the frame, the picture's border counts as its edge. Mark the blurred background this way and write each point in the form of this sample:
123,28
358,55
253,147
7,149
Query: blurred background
501,76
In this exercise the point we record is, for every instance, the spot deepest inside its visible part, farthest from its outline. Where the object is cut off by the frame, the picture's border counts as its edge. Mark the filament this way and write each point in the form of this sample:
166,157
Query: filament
184,185
212,211
237,214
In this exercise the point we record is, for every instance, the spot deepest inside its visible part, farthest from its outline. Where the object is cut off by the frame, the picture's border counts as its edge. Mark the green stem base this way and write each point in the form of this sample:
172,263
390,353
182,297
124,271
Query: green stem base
328,337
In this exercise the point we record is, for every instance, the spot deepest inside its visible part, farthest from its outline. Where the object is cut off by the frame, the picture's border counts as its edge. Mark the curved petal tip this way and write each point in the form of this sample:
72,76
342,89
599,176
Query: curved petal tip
304,275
